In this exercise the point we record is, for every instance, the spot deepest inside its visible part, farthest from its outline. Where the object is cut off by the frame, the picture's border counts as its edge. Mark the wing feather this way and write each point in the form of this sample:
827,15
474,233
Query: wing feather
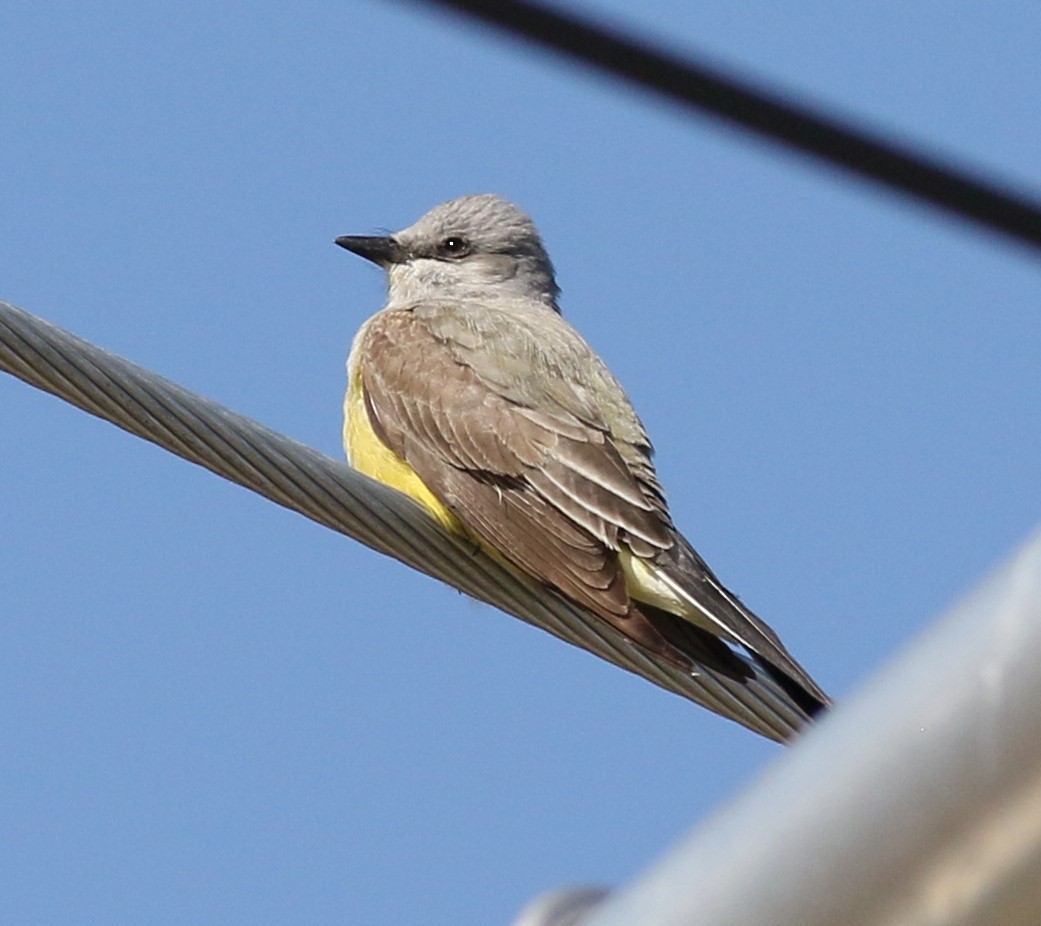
506,433
552,495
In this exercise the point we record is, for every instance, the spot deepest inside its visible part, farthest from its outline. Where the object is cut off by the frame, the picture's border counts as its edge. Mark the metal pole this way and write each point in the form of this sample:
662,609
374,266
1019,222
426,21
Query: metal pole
918,802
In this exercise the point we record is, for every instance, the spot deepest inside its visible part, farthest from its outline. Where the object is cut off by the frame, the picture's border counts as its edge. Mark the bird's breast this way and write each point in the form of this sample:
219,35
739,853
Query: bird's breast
369,455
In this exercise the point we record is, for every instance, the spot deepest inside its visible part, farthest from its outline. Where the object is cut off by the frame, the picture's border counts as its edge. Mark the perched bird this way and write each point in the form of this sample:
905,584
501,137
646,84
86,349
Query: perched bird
470,393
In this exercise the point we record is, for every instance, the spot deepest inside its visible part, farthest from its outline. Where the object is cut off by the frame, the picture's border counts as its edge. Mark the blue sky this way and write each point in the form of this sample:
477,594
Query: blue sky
215,711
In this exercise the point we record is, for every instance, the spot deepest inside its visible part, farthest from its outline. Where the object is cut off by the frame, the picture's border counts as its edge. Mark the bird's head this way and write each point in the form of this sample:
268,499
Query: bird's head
474,247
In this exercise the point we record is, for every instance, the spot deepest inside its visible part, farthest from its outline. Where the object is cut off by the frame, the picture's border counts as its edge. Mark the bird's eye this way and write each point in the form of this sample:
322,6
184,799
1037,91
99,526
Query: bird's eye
455,246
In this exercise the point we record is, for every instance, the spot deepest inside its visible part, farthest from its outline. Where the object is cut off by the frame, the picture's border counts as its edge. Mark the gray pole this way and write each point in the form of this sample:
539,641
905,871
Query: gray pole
918,803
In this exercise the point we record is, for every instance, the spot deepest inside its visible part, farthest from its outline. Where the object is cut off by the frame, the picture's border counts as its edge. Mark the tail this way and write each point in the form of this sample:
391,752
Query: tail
731,622
704,650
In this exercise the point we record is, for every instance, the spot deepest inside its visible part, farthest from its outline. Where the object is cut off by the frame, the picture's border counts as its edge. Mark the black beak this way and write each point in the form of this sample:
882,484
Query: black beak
382,250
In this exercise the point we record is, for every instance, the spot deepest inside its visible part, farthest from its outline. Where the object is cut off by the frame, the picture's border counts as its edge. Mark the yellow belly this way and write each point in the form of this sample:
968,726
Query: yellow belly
369,455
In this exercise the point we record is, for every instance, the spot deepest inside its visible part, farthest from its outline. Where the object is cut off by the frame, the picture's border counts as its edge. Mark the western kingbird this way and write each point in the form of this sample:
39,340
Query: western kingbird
470,393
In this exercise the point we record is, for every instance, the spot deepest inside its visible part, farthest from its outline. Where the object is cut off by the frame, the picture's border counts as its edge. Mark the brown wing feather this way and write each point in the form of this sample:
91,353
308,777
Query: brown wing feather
554,497
532,468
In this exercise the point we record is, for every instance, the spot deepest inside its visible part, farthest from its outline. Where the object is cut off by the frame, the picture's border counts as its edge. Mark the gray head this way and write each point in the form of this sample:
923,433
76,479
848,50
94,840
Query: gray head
474,247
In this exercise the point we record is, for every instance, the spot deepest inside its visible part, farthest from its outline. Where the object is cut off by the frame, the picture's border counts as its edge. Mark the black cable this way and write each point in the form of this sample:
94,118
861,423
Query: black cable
740,102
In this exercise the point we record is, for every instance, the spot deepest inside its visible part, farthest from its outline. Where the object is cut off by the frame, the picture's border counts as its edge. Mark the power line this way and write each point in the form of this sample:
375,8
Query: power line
741,102
335,495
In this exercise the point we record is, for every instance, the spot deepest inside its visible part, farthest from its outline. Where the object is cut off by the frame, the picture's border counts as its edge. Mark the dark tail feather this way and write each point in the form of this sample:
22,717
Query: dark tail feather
698,646
808,702
706,649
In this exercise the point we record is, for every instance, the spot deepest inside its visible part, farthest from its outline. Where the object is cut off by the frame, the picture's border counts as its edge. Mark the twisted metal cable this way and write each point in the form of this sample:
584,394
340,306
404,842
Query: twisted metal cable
336,496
